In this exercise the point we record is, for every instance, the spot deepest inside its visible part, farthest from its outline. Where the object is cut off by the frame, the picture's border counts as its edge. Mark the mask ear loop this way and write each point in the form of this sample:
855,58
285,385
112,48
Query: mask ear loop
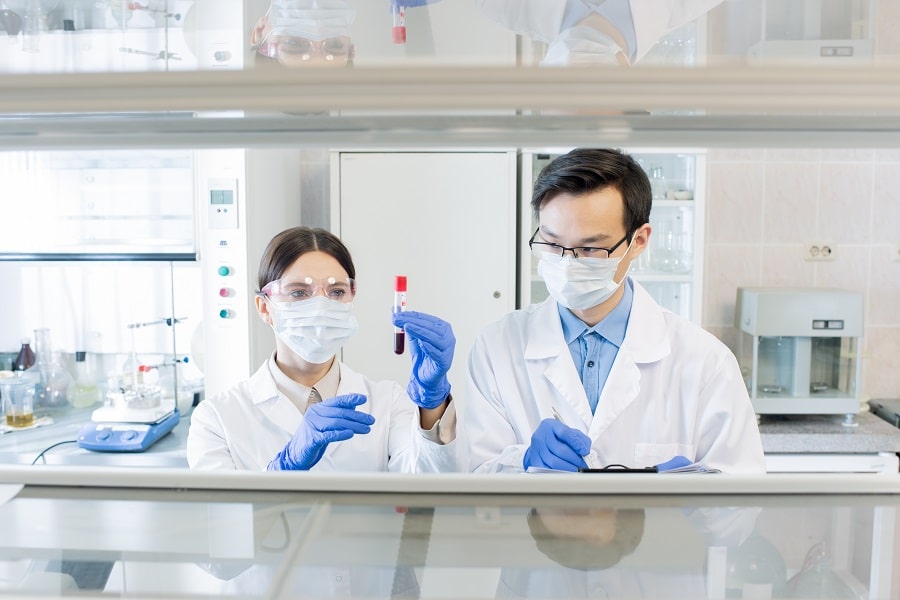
627,250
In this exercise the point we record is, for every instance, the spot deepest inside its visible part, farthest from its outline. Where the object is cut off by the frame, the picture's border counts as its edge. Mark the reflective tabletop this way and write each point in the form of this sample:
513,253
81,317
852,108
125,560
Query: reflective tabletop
174,534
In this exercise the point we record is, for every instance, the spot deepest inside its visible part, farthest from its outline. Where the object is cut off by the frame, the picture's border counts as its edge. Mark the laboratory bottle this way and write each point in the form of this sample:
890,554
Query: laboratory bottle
52,392
86,391
25,358
658,187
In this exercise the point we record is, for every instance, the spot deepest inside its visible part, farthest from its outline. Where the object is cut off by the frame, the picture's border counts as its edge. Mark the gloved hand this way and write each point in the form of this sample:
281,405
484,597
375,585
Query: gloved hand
412,3
676,462
327,421
557,446
431,344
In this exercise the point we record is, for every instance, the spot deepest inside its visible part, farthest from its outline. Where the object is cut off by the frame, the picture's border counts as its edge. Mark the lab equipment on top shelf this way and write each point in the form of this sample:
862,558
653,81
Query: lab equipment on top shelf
671,267
798,349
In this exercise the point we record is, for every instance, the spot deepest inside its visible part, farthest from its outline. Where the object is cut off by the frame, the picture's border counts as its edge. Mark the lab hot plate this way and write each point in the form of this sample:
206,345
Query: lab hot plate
125,437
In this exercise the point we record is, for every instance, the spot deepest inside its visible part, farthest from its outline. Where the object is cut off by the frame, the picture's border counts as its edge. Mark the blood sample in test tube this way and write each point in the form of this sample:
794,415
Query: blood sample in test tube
399,306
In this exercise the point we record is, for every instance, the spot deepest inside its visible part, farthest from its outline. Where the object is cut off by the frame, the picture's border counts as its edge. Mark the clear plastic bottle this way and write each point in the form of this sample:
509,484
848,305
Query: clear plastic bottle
86,392
52,392
25,359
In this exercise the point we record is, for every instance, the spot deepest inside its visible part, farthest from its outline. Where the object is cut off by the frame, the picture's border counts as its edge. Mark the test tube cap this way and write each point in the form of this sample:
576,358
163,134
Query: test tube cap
400,283
398,35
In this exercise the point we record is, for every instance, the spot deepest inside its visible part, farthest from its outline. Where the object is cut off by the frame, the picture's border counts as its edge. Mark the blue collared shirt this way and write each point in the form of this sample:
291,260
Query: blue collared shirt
595,348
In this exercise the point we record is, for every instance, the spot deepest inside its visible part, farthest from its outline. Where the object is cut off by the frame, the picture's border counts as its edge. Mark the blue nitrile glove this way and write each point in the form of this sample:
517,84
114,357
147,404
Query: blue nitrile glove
327,421
557,446
675,462
412,3
431,344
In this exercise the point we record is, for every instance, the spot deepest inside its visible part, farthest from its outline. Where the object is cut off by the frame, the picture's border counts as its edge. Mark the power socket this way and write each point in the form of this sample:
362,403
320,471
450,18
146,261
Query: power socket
819,251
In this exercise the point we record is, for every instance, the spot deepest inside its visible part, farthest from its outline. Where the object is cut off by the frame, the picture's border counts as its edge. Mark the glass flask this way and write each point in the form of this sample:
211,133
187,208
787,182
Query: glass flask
53,389
25,359
85,393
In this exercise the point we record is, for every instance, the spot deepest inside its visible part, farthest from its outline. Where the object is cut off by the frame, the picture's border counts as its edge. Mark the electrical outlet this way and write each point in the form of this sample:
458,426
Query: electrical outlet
819,251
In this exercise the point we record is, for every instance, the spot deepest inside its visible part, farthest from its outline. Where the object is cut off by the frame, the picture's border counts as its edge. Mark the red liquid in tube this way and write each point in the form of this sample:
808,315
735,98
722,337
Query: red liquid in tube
399,305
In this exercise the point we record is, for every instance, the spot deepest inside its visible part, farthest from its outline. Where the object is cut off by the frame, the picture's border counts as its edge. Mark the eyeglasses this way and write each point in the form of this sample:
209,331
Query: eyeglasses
287,46
579,251
298,289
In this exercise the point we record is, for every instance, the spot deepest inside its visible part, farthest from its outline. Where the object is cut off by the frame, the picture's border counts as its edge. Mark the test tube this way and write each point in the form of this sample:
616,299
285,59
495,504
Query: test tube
399,306
398,30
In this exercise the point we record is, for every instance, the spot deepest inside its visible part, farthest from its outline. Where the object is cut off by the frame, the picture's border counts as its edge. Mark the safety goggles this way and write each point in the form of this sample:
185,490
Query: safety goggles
298,289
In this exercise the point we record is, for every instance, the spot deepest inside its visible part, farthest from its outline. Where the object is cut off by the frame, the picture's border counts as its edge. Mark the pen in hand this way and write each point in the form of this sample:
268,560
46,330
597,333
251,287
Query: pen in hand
590,459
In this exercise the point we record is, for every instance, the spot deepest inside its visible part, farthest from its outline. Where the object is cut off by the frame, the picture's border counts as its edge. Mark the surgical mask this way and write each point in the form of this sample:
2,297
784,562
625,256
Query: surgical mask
581,45
579,283
314,20
314,329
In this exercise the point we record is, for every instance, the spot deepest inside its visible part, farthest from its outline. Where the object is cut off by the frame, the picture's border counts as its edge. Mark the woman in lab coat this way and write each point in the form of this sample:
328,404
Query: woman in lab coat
303,408
537,396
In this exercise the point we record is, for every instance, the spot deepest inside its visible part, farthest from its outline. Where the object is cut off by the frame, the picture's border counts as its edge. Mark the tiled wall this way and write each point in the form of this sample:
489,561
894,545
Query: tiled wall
765,204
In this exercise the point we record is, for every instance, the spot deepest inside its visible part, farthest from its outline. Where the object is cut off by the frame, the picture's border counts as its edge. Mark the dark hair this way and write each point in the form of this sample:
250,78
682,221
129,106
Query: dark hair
585,170
588,555
291,244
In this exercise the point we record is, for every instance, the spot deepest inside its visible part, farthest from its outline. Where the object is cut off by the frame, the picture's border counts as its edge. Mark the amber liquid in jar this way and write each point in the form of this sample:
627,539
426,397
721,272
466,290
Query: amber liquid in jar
20,420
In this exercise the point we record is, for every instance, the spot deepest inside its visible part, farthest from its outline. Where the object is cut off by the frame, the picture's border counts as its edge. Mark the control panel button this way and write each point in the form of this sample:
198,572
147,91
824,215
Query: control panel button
224,271
226,313
225,292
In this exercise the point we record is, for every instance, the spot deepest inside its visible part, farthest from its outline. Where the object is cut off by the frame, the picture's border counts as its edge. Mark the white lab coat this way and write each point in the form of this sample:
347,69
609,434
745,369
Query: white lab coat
542,19
245,427
674,389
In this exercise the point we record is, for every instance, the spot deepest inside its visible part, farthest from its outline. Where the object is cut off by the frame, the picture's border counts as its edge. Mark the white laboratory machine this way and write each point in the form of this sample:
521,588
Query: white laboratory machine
799,349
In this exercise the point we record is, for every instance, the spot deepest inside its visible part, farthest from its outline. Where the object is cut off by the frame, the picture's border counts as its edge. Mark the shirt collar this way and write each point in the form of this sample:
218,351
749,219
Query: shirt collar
299,393
612,327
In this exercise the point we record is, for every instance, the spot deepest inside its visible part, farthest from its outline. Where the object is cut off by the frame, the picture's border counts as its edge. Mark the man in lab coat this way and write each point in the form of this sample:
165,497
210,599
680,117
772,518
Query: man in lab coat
599,372
590,32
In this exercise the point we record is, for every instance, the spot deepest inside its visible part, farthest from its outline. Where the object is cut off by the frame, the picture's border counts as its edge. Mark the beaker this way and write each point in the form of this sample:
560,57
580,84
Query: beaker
18,400
52,390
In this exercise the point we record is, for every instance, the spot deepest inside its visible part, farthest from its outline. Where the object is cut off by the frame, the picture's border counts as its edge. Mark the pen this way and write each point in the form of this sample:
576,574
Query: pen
557,416
590,459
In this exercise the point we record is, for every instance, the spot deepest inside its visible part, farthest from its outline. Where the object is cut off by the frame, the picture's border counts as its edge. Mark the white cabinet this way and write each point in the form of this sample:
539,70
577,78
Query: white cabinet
671,268
446,220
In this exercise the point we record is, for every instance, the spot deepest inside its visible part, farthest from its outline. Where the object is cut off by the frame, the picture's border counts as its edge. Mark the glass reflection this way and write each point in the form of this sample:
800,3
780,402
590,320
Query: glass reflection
153,35
324,545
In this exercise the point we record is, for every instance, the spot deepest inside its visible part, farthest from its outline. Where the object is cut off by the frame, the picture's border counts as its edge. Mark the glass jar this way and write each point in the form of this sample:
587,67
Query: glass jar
53,388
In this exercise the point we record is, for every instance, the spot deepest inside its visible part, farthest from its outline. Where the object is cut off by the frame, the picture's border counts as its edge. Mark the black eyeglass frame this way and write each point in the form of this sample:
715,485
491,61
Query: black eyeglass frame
584,249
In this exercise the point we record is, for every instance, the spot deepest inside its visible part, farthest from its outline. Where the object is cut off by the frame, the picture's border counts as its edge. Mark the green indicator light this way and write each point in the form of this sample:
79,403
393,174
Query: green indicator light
223,271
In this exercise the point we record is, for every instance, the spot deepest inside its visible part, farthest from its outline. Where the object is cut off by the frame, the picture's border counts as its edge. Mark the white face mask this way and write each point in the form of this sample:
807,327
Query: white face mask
314,329
579,283
311,19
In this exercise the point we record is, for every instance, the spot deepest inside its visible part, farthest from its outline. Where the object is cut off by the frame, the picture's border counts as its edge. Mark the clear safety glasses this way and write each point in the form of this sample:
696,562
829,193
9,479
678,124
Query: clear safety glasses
295,48
298,289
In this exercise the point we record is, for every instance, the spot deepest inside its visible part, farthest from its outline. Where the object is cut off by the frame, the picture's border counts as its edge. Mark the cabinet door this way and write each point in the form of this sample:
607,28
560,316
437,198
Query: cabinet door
671,268
446,220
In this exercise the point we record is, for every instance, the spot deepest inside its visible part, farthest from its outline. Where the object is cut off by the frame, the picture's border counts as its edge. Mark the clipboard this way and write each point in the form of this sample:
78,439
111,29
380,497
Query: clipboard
618,469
